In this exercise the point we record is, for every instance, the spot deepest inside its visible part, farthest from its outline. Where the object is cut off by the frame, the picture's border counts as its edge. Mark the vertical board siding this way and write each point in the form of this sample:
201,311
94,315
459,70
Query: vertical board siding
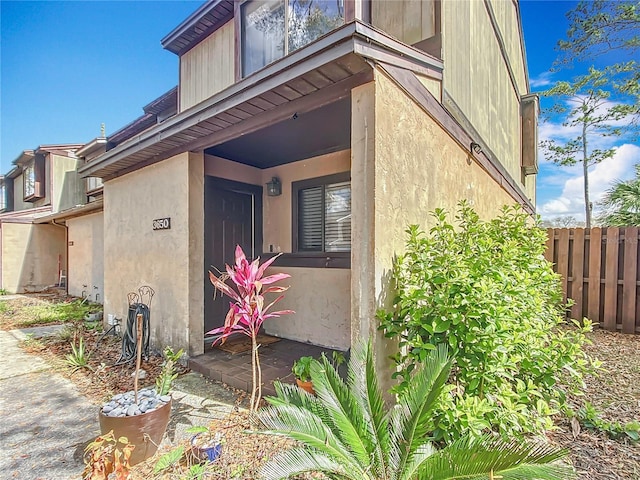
599,272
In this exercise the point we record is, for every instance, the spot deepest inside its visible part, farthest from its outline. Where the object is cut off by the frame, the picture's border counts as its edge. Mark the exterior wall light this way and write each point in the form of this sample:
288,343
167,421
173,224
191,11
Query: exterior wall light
274,187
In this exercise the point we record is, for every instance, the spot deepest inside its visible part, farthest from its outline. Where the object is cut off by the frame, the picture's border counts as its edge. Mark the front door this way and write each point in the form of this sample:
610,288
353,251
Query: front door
233,216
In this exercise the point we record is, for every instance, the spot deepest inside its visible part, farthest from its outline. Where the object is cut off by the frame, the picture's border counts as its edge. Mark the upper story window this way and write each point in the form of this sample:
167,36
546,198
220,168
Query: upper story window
33,174
3,197
322,209
93,184
29,176
272,29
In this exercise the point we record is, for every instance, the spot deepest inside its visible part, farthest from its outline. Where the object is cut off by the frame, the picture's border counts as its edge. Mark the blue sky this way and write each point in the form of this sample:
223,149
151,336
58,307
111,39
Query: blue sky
67,67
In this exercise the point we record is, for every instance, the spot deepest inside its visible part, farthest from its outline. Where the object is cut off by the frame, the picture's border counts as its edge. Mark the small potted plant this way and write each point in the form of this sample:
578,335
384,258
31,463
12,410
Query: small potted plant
206,445
302,371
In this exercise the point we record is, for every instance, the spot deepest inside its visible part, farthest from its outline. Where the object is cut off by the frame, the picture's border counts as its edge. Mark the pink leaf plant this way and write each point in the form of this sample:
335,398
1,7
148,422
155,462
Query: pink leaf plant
247,311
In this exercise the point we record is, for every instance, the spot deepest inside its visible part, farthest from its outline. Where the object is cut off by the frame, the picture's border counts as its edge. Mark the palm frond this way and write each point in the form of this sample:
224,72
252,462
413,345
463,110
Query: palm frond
474,459
418,457
363,380
409,420
305,426
344,415
298,460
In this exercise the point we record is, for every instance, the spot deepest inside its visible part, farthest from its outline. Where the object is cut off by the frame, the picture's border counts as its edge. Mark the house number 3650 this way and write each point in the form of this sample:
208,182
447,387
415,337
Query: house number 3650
162,224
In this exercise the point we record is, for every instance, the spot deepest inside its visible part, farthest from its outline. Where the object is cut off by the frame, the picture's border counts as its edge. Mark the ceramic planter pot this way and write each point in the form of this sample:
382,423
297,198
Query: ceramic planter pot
204,452
306,386
145,431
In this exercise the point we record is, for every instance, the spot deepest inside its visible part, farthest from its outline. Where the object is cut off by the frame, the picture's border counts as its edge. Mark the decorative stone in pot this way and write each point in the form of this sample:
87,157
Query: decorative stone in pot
144,423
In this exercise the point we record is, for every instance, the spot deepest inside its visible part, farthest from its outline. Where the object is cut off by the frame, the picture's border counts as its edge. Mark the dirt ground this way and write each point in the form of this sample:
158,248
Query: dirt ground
615,393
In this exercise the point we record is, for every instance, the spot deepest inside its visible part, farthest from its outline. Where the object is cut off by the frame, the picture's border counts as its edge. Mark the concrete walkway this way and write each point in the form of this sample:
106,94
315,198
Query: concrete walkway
46,423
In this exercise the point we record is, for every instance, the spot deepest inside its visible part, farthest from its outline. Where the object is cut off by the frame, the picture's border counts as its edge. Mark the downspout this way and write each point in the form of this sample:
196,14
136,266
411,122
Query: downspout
66,259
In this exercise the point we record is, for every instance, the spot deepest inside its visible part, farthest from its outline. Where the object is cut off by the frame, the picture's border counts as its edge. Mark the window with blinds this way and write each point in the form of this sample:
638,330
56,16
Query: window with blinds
324,218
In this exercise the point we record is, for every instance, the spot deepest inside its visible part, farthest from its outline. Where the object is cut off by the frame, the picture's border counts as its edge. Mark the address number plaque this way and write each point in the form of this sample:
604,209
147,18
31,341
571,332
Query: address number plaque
162,223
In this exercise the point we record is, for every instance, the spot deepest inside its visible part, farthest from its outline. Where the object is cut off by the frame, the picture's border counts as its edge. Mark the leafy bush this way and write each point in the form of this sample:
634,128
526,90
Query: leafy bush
485,289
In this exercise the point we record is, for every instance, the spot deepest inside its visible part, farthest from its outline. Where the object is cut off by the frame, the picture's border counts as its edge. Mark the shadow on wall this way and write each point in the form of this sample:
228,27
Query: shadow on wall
32,256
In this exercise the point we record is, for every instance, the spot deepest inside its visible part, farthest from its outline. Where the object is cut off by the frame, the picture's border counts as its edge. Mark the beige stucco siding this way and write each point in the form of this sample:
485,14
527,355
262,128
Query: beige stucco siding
320,297
207,68
170,261
477,79
30,256
404,165
86,256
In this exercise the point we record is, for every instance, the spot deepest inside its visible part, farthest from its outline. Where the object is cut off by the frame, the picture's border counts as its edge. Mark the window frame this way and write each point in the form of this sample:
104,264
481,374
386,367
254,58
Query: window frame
348,16
321,259
27,171
37,166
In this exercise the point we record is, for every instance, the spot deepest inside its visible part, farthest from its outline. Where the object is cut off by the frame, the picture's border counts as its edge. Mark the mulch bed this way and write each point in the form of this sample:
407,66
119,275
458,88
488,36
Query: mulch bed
615,393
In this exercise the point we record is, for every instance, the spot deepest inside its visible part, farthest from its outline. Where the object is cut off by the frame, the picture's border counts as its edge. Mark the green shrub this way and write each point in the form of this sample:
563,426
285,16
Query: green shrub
484,289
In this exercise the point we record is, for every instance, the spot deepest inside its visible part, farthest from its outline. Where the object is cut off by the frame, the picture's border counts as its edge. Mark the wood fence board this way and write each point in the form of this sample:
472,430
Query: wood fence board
551,239
611,279
563,260
629,281
577,273
595,258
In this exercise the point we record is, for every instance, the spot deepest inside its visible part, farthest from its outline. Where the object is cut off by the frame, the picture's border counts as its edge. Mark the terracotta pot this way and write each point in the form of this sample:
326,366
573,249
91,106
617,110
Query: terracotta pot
144,431
306,386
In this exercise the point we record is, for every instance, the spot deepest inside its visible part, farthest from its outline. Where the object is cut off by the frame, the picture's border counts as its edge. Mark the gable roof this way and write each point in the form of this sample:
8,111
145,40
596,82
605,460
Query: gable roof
199,25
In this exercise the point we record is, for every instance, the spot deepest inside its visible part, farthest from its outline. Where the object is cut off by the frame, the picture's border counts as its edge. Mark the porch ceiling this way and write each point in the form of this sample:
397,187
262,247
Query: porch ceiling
303,135
311,82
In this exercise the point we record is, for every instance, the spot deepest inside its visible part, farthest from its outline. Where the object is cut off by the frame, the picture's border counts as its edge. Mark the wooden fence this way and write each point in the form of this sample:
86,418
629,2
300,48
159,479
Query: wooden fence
599,269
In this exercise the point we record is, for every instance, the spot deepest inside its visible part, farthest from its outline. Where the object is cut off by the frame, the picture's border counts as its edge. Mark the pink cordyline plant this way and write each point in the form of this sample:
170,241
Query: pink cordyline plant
247,311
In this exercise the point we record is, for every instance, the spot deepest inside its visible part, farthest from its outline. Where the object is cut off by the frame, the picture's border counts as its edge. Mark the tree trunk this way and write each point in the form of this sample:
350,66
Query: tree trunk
585,167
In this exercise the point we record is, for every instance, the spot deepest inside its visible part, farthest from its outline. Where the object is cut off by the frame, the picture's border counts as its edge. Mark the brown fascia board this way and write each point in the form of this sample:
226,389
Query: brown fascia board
77,211
14,172
365,40
92,146
24,157
24,216
62,149
163,102
192,30
139,125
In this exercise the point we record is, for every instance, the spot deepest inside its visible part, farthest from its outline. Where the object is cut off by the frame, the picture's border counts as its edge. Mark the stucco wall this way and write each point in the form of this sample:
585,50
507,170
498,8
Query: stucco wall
170,261
30,255
320,297
18,194
86,256
403,166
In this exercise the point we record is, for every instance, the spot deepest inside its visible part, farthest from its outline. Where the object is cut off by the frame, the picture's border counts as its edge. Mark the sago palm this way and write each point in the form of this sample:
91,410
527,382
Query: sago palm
346,433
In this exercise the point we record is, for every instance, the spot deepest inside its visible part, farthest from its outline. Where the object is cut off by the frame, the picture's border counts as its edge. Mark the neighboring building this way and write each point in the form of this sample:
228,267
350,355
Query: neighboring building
45,180
368,114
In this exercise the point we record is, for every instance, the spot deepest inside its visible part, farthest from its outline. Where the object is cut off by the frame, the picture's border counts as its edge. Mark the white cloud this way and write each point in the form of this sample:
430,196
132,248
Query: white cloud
601,177
541,80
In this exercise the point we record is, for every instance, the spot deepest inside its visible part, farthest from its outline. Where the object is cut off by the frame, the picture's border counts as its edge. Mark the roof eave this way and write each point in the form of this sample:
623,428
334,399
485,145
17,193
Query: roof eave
366,42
